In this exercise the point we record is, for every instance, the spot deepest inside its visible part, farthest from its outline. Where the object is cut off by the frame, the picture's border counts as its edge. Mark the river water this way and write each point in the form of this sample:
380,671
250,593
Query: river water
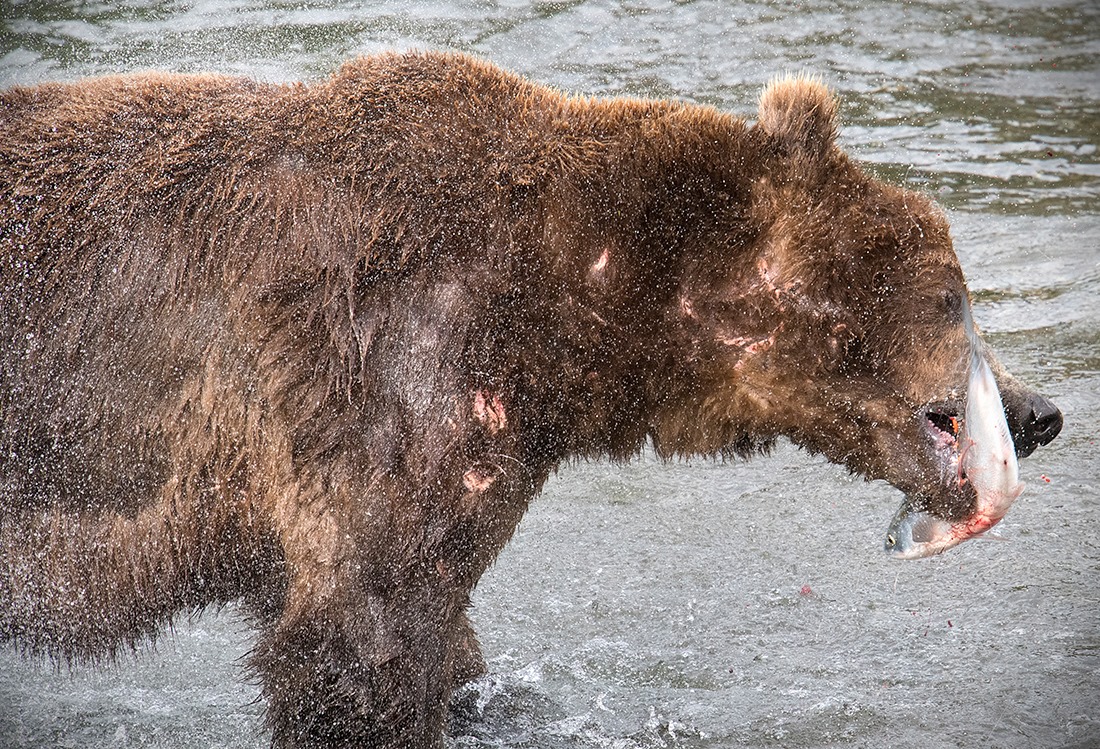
707,604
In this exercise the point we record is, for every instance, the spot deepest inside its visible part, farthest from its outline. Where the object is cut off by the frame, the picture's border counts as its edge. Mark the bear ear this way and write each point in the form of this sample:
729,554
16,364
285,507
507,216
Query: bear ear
800,112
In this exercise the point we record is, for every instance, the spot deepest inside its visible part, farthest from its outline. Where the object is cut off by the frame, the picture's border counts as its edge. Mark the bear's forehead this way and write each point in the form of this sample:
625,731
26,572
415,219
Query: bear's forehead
894,225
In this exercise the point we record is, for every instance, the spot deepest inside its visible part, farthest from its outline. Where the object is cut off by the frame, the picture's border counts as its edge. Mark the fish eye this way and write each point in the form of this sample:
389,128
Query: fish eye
890,540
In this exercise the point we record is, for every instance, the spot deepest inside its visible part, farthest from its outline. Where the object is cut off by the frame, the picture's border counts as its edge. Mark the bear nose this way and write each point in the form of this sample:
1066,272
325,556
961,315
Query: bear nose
1040,426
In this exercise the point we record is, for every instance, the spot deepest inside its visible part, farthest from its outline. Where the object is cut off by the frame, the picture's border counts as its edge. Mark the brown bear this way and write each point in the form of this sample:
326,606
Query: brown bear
316,348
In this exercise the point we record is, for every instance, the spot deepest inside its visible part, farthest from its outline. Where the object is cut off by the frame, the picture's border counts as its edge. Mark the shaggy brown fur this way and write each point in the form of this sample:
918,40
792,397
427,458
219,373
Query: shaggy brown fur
315,348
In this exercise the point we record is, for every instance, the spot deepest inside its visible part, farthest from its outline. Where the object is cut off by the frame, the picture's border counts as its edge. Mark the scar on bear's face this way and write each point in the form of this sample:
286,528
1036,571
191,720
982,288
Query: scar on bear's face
687,309
602,261
749,346
489,410
601,272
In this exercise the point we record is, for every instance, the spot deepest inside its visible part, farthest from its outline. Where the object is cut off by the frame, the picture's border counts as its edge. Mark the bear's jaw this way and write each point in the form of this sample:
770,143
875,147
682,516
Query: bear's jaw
916,449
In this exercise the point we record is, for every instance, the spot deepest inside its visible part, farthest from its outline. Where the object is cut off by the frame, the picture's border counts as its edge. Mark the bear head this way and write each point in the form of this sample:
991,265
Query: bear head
836,319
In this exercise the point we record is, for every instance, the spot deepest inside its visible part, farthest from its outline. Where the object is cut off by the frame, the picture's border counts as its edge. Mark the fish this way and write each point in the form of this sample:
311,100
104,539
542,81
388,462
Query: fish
986,459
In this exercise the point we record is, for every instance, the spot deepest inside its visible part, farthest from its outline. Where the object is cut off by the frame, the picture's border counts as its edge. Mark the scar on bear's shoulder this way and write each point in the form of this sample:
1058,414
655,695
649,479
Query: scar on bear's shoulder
489,410
478,479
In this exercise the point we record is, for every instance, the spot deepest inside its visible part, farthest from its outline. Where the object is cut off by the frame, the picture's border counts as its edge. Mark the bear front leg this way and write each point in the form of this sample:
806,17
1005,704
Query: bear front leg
367,668
465,658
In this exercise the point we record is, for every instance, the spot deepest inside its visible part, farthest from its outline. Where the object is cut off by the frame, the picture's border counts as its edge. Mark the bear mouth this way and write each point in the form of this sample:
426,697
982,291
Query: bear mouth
943,421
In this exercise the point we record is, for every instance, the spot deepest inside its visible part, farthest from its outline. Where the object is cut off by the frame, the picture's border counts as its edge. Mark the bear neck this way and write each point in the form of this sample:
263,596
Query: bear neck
648,190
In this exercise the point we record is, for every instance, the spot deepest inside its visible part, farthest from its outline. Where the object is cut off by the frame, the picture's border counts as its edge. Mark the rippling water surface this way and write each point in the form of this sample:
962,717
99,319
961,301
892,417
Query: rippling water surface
718,605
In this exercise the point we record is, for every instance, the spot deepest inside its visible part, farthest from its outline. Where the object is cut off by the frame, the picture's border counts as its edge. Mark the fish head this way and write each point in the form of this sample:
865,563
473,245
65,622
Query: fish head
916,533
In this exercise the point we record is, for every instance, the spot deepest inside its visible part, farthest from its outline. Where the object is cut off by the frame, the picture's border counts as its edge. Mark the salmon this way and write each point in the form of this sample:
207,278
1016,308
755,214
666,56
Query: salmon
986,458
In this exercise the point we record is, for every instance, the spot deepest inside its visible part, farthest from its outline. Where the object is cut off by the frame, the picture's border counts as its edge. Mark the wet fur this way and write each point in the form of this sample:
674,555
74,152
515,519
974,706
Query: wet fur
315,348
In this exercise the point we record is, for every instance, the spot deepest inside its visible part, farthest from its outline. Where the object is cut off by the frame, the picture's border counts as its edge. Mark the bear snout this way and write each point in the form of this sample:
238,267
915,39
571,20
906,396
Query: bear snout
1036,422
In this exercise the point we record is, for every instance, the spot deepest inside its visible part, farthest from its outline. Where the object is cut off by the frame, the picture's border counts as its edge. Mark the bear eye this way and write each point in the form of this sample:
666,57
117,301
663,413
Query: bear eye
952,302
